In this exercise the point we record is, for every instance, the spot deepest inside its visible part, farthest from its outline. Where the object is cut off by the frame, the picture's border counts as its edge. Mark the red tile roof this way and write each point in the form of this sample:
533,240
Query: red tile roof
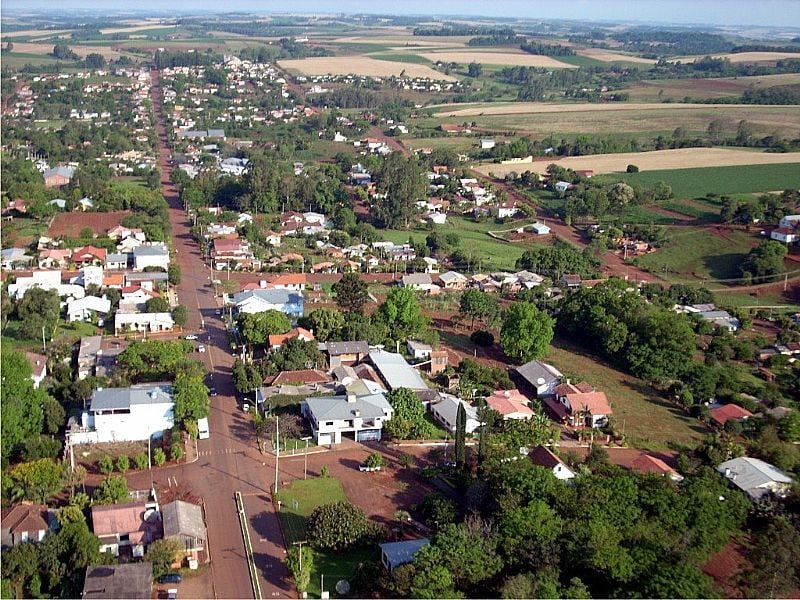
302,376
508,402
38,363
730,411
543,457
222,245
650,464
125,518
25,517
279,338
595,402
88,253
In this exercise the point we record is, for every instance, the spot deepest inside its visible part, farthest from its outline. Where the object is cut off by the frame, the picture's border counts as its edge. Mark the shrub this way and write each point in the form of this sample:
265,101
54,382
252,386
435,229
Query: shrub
162,553
141,461
159,457
437,510
123,463
375,461
632,169
482,338
324,472
112,490
176,451
338,526
105,464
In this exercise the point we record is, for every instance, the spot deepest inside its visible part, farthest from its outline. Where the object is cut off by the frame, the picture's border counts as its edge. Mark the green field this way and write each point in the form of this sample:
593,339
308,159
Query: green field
695,183
12,338
649,421
695,254
401,57
700,211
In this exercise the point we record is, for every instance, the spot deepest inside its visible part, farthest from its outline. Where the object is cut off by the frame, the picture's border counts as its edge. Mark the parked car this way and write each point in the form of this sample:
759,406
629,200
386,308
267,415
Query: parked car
246,407
191,336
218,312
201,348
170,578
213,391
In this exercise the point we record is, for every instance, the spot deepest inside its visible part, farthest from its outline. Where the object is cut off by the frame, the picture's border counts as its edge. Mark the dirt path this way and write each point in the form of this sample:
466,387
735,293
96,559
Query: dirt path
393,143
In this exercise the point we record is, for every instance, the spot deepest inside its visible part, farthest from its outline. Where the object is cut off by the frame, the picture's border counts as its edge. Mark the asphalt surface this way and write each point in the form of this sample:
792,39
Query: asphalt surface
228,460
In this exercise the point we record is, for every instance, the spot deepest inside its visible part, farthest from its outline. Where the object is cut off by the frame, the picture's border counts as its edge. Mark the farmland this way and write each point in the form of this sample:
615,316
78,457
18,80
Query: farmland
676,90
610,57
45,49
746,57
516,59
664,160
360,65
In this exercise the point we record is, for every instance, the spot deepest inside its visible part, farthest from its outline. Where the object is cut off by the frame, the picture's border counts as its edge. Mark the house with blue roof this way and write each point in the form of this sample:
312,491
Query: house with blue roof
395,554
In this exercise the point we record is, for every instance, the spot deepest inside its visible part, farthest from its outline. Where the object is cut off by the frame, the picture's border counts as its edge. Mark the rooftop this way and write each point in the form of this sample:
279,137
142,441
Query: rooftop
110,582
340,348
397,373
183,518
120,398
337,408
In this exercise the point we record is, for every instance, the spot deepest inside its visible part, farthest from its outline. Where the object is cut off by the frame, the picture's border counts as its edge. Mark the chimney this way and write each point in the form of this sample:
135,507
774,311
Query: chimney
351,397
356,413
262,284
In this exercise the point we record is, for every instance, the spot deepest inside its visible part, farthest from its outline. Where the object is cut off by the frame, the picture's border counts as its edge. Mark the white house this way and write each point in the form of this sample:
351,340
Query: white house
126,414
788,230
542,377
419,350
117,261
142,322
361,416
419,281
256,301
542,457
507,210
539,228
89,275
755,477
234,166
453,280
487,144
84,308
155,255
38,368
445,411
562,186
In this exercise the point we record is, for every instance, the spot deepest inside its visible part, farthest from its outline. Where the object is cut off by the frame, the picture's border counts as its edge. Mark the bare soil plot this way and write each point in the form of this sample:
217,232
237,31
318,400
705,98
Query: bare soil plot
46,49
683,158
745,57
606,56
27,32
522,108
135,28
521,59
360,65
71,224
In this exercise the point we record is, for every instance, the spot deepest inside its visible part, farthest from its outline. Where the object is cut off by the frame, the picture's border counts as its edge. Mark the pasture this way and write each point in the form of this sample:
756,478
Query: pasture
45,49
506,58
745,57
360,65
607,56
659,90
664,160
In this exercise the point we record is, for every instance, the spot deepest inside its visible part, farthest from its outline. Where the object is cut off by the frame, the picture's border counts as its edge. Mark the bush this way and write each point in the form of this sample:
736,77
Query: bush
105,464
324,472
159,457
632,169
176,451
437,510
338,526
112,490
374,461
162,553
141,461
482,338
123,463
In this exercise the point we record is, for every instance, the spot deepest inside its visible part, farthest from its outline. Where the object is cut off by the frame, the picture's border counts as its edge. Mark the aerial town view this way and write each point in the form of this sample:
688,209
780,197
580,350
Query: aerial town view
353,299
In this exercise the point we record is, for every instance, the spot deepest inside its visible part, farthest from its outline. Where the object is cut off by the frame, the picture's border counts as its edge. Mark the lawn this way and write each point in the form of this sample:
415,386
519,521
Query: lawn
64,331
649,421
702,212
695,183
697,253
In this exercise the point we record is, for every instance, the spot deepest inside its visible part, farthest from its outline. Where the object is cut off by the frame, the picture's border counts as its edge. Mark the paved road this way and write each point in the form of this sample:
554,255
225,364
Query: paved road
228,460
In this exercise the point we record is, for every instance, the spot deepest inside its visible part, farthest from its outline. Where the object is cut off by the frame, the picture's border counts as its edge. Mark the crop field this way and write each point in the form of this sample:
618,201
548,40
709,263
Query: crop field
650,421
609,57
140,27
745,57
702,89
697,182
664,160
45,49
514,59
360,65
406,41
697,254
524,108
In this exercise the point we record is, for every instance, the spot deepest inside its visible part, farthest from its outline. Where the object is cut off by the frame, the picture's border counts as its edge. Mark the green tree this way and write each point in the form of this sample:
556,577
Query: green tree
401,314
21,405
141,460
468,551
404,182
351,293
191,397
54,414
38,308
159,457
38,480
174,273
461,435
112,490
105,464
526,332
180,314
474,69
375,461
326,324
433,581
256,328
123,464
408,419
437,510
764,260
337,526
478,305
162,553
774,557
294,559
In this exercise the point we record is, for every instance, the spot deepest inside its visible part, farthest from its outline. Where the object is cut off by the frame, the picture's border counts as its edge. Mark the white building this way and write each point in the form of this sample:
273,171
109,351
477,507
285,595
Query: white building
84,308
755,477
542,377
446,410
419,281
142,322
155,255
256,301
542,457
126,414
361,416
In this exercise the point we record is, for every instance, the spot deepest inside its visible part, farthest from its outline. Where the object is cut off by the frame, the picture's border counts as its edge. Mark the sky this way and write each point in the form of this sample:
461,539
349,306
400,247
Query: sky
781,13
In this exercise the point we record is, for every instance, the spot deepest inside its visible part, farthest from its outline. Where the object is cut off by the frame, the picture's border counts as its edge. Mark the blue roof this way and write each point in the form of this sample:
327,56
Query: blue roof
401,553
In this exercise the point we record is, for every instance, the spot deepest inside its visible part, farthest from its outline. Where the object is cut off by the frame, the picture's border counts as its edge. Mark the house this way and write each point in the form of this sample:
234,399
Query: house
120,232
89,275
59,203
439,361
729,412
539,228
487,144
542,457
58,176
85,204
233,253
562,186
586,409
529,280
511,404
25,522
234,166
46,280
543,378
142,322
88,307
133,525
721,319
117,261
647,463
256,301
38,368
134,413
134,298
14,258
346,353
419,350
128,245
152,281
445,411
184,522
395,554
130,581
89,255
571,281
88,351
453,281
277,340
418,281
506,210
295,282
395,371
154,255
788,230
755,477
54,258
332,416
300,377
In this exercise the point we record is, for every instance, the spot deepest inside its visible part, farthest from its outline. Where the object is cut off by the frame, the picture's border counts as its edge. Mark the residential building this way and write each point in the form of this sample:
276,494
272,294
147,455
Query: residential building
539,228
233,254
511,404
756,478
418,281
721,318
295,282
88,351
586,409
395,371
38,368
133,526
152,281
543,378
361,416
26,522
439,361
277,340
487,144
453,281
129,581
58,176
419,350
155,255
507,209
15,258
729,412
345,353
571,281
445,411
117,261
647,464
88,308
184,522
256,301
54,258
126,414
542,457
395,554
89,255
142,322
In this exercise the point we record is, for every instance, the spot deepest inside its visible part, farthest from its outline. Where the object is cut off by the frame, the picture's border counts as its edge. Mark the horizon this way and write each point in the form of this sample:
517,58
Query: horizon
783,14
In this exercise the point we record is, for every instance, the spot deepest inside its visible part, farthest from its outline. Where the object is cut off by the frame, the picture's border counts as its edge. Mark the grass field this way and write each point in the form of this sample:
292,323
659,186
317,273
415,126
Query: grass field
695,183
607,56
695,254
745,57
677,89
402,57
12,338
650,421
702,212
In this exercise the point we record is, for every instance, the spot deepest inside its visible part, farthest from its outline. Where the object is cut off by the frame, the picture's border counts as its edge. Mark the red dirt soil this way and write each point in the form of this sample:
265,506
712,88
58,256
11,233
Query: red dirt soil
71,224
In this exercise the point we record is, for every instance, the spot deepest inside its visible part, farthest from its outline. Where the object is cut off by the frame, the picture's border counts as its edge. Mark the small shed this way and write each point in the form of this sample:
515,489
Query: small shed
395,554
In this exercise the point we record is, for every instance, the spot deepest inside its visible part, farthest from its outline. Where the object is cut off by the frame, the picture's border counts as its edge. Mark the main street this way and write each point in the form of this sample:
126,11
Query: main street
229,460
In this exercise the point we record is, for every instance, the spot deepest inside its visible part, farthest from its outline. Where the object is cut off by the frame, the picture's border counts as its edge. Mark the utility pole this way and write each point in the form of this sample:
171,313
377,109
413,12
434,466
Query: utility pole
277,452
305,461
44,344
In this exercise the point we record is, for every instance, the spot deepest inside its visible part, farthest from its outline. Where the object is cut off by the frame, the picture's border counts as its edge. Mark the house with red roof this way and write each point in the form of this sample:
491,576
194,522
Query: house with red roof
25,522
584,409
729,412
134,525
543,457
233,253
54,258
511,404
89,255
647,463
277,340
301,377
289,281
38,367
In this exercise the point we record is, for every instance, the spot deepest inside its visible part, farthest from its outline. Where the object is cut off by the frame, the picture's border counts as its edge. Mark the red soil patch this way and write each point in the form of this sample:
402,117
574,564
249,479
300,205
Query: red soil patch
725,566
71,224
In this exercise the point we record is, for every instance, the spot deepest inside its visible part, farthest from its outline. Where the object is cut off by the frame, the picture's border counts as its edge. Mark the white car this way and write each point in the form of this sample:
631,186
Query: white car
201,348
191,337
246,407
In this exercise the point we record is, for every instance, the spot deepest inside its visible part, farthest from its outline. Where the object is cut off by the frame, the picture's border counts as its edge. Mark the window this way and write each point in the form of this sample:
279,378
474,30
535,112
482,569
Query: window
329,423
124,537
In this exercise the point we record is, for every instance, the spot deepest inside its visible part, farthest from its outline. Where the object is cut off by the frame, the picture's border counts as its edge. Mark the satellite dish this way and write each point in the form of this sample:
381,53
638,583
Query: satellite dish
342,587
540,381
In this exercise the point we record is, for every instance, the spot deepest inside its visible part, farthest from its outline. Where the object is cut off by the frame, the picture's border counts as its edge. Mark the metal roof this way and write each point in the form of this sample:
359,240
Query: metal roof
534,371
337,408
396,371
155,250
119,398
130,580
272,296
339,348
183,518
401,553
751,474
